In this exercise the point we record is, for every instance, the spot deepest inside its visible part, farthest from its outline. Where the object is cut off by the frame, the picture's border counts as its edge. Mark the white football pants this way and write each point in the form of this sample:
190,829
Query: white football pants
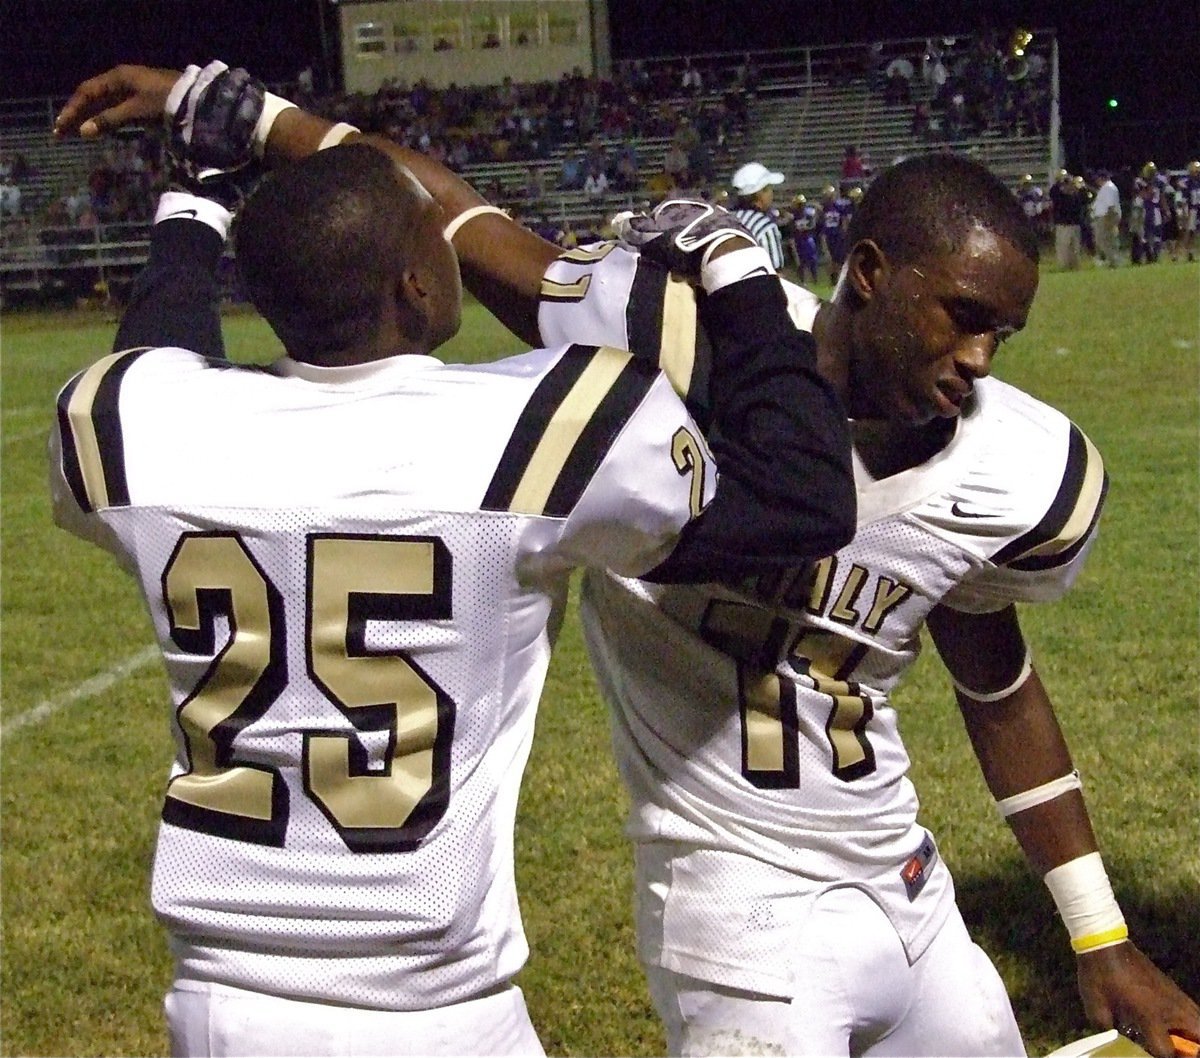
855,994
215,1021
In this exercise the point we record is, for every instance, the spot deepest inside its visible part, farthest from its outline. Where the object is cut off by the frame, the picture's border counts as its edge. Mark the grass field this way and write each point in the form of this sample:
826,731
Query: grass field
86,747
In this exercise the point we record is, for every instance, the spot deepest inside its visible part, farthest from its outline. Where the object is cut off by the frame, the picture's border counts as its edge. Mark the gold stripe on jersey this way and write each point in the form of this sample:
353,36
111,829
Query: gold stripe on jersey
588,254
677,351
563,430
92,433
552,290
1068,522
566,429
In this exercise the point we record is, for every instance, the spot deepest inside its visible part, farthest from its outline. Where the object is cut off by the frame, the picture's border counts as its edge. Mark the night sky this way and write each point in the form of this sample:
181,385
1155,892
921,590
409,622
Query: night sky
1143,53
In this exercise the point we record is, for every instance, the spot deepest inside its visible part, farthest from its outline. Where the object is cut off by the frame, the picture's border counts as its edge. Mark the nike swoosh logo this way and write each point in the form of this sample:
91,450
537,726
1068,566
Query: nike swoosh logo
958,512
181,213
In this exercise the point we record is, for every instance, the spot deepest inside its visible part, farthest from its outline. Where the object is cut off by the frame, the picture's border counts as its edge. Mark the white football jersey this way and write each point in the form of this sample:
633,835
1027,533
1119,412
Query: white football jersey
754,729
350,573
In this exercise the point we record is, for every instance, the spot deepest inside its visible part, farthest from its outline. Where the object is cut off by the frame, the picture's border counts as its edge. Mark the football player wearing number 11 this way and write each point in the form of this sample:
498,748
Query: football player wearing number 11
352,557
789,899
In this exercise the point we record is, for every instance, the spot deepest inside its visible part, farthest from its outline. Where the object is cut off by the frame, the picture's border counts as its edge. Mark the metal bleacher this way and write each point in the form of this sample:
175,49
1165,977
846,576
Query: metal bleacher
809,104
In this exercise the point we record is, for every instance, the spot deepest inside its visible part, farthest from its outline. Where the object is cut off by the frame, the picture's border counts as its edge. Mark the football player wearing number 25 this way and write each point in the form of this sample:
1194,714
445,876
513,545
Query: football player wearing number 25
352,559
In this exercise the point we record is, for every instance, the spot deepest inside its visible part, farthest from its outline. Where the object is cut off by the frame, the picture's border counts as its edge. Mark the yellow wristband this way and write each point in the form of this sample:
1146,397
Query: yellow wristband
1105,939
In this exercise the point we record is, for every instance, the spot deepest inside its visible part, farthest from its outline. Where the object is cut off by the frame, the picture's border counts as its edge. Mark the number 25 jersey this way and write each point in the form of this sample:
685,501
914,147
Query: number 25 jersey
350,574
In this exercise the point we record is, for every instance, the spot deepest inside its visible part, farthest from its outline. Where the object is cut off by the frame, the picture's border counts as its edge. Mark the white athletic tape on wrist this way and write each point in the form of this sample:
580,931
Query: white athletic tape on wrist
1048,791
273,106
178,90
451,229
1084,898
179,205
336,134
734,267
1004,692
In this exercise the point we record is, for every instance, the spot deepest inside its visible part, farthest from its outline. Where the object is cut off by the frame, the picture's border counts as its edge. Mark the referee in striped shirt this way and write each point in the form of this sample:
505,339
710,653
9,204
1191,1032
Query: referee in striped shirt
754,185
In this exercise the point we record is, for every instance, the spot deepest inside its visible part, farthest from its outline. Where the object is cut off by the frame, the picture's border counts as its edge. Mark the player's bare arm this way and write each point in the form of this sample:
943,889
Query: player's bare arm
502,262
1021,751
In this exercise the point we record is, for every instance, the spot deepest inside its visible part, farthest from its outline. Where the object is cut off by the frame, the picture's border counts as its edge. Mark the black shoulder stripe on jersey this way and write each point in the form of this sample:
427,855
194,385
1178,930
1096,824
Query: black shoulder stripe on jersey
1064,557
661,317
1069,520
90,422
72,471
565,430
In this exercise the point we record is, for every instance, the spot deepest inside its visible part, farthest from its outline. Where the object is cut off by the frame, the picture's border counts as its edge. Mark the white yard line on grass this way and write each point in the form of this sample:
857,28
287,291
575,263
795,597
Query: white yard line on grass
96,685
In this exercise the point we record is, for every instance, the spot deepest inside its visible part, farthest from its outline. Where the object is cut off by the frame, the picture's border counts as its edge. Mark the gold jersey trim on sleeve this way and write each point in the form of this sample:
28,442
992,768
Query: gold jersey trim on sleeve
566,429
93,446
1071,517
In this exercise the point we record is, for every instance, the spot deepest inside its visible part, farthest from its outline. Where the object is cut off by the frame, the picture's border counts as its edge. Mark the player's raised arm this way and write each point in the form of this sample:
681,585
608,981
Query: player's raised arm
502,262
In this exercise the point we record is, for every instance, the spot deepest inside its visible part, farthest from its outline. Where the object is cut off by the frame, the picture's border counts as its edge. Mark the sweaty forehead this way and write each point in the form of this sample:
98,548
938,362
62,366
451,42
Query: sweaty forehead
985,267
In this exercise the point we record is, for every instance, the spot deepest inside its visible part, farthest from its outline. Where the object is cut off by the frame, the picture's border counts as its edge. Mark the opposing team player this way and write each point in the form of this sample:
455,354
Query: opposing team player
351,559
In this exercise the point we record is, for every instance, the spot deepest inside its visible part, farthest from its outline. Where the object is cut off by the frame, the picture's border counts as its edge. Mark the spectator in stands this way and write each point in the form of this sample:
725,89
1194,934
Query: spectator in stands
852,165
595,185
1106,219
596,159
954,121
10,194
692,81
571,174
1066,209
754,184
897,88
921,128
627,175
535,185
675,166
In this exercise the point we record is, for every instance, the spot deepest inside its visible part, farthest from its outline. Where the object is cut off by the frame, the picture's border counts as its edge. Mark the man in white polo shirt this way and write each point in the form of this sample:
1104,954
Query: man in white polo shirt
1106,218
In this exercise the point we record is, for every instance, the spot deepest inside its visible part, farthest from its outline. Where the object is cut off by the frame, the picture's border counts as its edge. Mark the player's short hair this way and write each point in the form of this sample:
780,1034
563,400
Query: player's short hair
930,203
317,245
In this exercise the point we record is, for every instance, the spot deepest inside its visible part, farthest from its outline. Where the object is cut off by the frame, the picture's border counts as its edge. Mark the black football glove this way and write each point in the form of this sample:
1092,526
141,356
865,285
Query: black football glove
211,116
680,234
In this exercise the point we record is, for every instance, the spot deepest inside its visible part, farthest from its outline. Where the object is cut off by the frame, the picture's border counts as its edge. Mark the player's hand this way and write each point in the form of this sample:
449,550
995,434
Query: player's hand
124,95
680,234
1123,989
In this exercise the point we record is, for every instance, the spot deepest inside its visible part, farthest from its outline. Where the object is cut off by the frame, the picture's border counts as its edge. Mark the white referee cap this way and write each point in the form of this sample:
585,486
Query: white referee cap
753,177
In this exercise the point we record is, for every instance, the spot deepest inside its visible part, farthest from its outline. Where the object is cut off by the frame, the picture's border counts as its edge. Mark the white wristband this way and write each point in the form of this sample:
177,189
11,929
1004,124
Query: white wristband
734,267
1048,791
336,134
180,205
1084,898
1004,692
273,106
469,214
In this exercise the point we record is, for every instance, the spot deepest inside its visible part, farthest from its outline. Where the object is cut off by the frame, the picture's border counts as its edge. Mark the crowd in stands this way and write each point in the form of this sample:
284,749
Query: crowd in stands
648,131
962,89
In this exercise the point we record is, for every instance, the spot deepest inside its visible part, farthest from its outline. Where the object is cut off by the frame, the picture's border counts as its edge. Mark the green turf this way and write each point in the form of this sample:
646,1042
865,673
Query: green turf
84,965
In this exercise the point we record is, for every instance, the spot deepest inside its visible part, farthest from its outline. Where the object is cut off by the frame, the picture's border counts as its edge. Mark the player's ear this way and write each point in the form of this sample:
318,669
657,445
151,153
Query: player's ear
866,268
413,308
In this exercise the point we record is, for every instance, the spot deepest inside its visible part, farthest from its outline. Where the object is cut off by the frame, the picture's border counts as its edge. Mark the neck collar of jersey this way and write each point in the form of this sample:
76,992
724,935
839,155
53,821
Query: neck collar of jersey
405,364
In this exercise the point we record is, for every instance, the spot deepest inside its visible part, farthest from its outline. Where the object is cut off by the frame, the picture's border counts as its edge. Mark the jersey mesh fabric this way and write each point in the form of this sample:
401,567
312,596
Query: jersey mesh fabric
359,595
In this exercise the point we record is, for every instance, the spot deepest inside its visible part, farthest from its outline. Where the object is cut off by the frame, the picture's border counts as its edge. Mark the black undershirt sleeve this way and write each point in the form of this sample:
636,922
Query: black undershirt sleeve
781,441
176,298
